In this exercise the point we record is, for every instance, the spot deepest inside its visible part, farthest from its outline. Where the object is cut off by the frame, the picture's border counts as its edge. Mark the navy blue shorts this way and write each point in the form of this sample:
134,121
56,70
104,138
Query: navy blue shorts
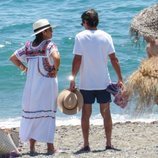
102,96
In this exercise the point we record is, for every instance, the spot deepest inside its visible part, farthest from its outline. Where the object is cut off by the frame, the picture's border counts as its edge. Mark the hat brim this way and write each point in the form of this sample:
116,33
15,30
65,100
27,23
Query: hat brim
70,111
40,31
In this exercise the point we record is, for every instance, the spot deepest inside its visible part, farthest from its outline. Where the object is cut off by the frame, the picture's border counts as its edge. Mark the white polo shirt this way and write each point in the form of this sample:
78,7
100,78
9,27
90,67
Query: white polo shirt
94,46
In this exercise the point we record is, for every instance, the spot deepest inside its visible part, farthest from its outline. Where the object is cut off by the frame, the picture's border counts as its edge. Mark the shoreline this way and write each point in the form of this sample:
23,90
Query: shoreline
74,121
132,139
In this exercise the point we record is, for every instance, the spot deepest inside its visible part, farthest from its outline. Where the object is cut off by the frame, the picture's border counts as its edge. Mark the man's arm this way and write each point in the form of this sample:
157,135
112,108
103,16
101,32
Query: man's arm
116,66
76,65
75,68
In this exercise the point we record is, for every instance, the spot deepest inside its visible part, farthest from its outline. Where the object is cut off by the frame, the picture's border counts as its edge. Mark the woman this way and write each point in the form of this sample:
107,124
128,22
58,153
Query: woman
41,87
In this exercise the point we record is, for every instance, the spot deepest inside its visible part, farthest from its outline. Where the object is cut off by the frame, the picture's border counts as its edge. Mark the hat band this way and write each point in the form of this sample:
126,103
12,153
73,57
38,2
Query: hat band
70,108
41,27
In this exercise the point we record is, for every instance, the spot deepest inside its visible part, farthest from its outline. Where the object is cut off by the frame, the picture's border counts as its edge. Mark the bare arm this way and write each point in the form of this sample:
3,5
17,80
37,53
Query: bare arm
75,68
56,59
116,66
76,64
18,63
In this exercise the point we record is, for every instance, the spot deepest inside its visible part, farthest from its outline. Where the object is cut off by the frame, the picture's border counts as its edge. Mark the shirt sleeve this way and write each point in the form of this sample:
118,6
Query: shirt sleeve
110,46
77,47
21,54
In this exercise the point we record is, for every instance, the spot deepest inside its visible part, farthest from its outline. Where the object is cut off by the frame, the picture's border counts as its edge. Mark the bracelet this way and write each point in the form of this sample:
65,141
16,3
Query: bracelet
55,69
71,78
24,71
22,67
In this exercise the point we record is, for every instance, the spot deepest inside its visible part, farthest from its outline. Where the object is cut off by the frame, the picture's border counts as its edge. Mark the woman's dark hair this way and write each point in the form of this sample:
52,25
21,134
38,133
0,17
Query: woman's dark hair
91,16
39,38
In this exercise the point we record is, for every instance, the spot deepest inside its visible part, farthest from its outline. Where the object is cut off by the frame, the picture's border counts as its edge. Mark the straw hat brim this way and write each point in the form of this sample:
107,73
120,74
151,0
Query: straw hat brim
78,106
145,23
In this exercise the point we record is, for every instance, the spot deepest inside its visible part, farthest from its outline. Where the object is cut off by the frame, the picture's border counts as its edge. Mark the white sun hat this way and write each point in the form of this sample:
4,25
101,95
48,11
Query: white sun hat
40,25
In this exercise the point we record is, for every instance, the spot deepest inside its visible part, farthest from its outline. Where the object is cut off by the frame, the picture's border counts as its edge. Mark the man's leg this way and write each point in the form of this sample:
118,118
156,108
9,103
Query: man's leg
105,112
86,113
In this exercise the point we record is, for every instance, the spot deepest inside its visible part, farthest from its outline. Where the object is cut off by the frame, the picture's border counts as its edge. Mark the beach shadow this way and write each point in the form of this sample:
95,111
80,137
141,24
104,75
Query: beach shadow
60,152
96,151
37,154
102,150
80,152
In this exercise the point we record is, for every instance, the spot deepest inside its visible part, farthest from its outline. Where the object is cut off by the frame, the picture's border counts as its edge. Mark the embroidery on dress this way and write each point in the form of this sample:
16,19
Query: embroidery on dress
41,52
30,52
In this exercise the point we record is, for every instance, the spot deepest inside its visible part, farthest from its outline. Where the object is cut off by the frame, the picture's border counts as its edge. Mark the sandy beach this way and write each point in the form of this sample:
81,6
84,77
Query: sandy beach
133,140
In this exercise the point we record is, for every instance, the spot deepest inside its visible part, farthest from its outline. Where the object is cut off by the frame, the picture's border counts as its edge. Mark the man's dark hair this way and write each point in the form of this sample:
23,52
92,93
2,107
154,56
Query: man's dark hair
91,16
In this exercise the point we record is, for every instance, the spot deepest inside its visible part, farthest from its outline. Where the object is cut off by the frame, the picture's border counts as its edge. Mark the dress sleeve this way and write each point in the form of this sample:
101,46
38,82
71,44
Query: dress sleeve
21,54
51,48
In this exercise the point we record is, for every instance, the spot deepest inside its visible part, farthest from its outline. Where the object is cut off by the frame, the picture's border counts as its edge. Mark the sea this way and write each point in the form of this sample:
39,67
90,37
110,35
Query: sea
16,18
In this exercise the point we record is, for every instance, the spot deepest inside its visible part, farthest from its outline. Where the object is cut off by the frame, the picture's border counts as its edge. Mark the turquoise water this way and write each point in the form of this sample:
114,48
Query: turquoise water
16,18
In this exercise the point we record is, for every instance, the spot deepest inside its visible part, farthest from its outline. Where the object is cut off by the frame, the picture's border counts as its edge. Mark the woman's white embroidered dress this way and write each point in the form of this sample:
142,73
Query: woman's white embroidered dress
40,93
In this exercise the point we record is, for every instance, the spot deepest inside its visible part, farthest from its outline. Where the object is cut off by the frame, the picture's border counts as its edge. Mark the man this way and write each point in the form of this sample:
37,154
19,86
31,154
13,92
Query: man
91,50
